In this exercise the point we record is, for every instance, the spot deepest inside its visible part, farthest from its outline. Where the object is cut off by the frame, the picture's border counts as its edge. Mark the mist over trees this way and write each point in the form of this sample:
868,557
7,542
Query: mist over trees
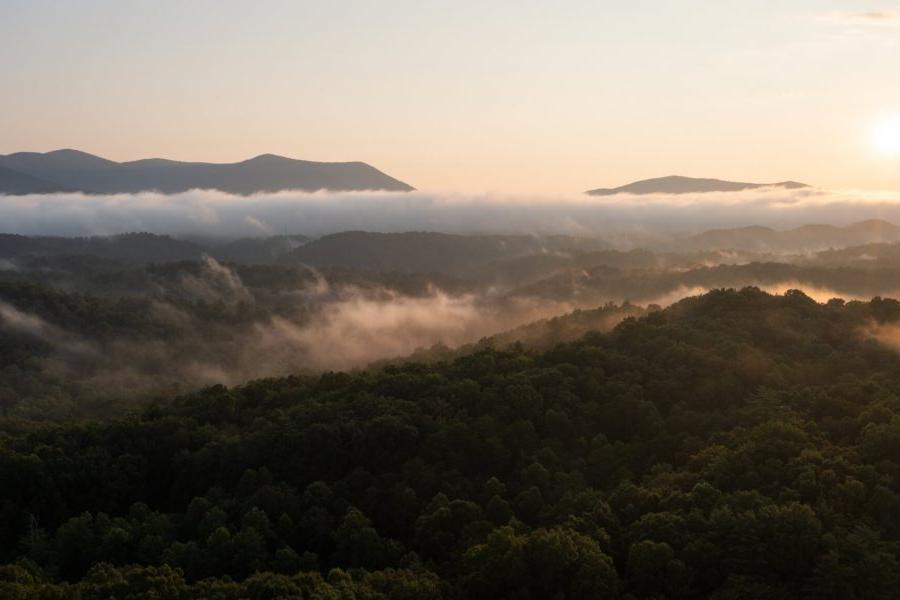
93,323
426,415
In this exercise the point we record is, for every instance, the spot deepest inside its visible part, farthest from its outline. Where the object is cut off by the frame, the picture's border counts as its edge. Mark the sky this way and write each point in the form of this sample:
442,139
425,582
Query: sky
502,96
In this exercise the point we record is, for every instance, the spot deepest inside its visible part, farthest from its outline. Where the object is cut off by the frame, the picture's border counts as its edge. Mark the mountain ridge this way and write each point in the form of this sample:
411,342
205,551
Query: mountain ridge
69,170
679,184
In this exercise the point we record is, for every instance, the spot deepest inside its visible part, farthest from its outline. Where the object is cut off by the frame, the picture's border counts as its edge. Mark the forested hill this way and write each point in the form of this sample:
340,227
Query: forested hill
734,445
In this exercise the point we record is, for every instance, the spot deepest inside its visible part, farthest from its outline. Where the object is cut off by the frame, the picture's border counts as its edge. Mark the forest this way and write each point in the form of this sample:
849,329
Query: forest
736,444
95,326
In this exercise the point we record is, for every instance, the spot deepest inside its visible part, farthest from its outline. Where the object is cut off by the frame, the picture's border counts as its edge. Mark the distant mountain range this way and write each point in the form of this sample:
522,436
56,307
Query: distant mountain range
807,238
73,170
676,184
512,257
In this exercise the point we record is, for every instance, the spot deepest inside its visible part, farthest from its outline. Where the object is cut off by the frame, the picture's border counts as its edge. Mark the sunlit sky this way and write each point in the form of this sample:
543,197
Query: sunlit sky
516,96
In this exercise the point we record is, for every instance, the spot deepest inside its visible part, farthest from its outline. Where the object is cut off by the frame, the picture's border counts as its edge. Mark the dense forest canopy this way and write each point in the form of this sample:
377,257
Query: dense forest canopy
733,445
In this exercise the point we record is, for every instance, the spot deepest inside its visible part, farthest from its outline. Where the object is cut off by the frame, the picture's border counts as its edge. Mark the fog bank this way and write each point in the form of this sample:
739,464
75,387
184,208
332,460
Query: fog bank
215,214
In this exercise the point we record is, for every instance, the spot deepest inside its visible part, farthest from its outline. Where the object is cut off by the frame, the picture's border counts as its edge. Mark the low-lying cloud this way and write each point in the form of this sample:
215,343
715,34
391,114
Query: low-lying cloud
216,214
13,320
325,327
215,283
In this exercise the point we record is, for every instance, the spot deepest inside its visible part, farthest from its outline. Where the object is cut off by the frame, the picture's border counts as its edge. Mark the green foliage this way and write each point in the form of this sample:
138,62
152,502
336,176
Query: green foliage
735,445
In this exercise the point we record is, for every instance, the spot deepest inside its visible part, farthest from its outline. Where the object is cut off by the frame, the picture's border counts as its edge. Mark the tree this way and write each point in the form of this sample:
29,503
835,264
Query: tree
546,563
358,544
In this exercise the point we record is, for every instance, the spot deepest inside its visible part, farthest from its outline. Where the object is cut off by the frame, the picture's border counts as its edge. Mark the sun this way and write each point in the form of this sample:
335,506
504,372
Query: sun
886,137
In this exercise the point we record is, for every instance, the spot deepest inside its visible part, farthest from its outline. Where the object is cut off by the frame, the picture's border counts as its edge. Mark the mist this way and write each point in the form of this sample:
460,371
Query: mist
620,218
324,326
332,328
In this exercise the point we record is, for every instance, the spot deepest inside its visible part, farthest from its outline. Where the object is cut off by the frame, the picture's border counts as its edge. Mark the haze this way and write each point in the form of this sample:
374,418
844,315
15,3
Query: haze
468,96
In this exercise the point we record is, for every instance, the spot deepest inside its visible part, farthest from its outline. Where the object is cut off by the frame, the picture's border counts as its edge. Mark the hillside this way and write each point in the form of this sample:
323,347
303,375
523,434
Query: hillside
424,251
130,248
734,445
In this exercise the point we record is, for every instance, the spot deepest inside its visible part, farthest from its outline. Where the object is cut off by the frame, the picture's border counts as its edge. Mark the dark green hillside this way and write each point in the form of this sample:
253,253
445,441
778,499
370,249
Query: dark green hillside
734,445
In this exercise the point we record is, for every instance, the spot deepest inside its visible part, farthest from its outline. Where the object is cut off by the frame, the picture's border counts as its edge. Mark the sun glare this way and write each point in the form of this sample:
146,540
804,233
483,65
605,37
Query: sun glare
886,137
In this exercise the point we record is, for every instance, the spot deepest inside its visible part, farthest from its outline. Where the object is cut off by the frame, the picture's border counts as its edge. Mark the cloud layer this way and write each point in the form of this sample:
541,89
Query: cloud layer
209,213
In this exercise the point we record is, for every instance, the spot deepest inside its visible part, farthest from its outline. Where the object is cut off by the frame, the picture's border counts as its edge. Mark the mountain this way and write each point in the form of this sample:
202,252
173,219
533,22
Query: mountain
73,170
14,182
676,184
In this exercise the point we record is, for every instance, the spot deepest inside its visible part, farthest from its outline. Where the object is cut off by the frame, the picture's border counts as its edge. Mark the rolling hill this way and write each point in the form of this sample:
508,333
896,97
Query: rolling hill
805,238
422,251
130,247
